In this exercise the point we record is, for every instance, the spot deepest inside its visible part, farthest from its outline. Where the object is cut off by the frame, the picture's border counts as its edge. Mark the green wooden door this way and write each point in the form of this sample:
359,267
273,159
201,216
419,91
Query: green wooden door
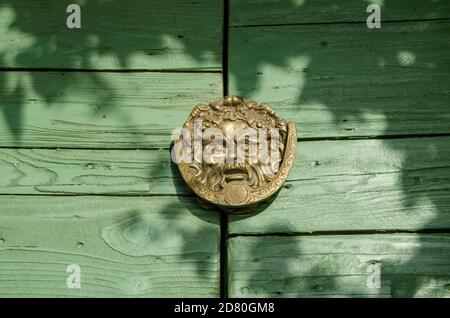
86,177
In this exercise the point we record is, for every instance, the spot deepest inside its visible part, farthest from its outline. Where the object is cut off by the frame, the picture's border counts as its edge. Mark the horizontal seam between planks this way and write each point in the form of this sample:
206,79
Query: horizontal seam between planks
349,232
370,137
332,22
49,69
140,194
304,139
162,149
301,277
83,194
366,174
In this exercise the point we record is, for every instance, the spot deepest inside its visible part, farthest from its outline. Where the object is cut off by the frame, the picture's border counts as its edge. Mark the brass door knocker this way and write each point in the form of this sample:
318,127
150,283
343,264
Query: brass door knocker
234,153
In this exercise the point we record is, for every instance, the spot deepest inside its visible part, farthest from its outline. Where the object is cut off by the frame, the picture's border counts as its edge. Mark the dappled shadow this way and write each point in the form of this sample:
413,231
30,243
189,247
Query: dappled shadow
114,35
277,267
345,80
326,77
181,205
210,215
50,69
184,193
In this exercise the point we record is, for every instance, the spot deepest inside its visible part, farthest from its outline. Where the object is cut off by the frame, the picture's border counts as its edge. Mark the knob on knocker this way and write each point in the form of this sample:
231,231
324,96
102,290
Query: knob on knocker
235,153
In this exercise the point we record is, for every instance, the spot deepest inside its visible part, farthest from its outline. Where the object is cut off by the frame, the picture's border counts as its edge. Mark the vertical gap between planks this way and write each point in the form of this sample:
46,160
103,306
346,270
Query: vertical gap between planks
224,216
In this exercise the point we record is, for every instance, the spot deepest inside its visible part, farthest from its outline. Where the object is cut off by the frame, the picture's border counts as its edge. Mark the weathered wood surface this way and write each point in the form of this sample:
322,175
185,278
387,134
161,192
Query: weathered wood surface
99,109
65,171
360,185
334,185
345,80
263,12
145,236
340,266
134,34
125,246
348,80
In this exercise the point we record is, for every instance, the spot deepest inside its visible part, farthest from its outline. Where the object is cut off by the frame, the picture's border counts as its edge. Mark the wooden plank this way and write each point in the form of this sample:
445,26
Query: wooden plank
389,81
340,266
334,185
112,172
125,247
99,109
136,34
263,12
352,185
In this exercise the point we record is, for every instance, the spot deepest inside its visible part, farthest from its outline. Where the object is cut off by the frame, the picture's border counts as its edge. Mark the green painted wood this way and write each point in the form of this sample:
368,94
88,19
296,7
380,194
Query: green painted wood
113,172
334,185
263,12
136,34
348,80
99,109
125,247
350,185
340,266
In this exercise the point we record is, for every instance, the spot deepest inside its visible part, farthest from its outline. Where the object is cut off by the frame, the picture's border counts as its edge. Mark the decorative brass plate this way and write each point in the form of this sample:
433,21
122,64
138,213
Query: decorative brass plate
234,153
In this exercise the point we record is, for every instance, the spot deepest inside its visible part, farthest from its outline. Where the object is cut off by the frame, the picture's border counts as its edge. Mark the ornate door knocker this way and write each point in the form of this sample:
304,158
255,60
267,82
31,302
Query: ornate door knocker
234,153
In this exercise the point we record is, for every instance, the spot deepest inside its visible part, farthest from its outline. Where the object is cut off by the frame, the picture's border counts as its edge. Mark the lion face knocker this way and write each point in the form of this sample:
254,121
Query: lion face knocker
234,153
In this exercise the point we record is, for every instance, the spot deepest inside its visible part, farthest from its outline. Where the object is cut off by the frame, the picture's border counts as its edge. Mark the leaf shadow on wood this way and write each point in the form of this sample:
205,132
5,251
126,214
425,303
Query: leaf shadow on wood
135,35
341,81
281,269
164,237
184,201
44,61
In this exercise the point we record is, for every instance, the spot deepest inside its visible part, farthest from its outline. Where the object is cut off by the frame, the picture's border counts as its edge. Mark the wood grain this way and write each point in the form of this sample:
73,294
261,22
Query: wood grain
348,80
125,247
340,266
334,185
351,185
263,12
112,172
124,215
99,109
136,34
